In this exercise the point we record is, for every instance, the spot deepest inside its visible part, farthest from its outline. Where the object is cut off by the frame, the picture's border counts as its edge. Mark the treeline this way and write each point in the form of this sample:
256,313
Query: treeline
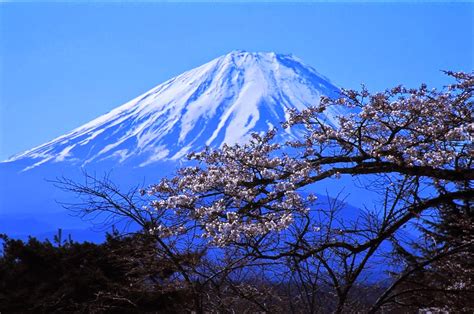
130,274
123,274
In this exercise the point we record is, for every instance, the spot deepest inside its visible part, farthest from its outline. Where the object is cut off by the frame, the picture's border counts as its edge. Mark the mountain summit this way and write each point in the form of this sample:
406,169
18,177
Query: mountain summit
222,101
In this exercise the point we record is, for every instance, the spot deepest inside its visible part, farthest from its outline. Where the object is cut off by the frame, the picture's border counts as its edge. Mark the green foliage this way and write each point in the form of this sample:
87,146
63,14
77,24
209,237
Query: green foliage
442,266
120,275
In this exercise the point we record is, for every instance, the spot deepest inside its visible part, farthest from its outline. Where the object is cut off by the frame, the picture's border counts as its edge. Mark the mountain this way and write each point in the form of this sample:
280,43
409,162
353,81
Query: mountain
222,101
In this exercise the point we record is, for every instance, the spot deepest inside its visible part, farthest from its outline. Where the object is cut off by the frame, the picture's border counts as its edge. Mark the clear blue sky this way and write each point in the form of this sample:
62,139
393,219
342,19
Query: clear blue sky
64,64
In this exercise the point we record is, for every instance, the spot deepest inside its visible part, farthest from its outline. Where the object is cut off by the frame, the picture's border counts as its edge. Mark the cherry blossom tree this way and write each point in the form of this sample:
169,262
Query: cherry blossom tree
256,208
412,146
251,189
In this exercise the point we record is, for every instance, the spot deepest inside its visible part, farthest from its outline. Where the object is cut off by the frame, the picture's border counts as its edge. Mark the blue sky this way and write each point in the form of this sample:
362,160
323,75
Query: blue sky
63,64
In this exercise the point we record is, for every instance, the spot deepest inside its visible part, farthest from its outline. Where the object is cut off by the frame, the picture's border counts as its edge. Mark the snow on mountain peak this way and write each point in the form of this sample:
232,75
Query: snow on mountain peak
222,101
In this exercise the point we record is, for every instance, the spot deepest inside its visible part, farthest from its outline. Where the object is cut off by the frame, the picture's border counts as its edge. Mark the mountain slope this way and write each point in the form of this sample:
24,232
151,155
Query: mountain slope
222,101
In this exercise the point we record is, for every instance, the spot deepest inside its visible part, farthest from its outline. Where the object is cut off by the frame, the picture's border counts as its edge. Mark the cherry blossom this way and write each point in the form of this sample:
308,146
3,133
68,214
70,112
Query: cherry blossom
254,189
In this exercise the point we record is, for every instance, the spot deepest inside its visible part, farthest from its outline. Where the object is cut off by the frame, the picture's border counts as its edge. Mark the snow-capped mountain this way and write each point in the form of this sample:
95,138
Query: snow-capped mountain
222,101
